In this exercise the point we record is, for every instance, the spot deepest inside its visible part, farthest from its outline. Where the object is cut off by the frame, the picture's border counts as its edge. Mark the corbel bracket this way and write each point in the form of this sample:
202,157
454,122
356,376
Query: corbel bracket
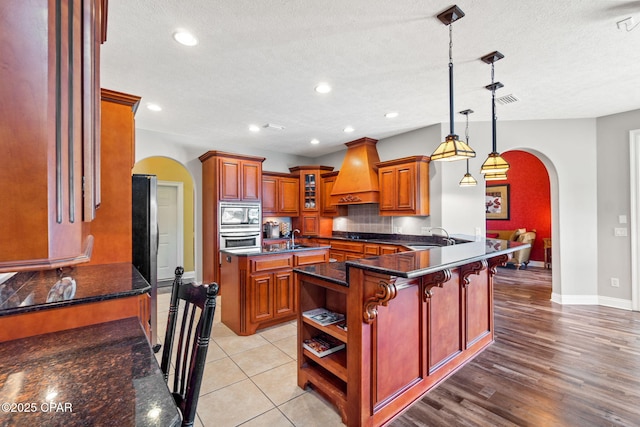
386,292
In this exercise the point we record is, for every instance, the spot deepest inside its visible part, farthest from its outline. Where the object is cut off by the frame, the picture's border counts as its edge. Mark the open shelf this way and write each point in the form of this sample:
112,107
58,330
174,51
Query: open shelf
336,363
332,329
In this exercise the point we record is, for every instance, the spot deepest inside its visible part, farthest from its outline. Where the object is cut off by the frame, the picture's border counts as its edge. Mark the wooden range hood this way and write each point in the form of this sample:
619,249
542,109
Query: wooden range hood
357,181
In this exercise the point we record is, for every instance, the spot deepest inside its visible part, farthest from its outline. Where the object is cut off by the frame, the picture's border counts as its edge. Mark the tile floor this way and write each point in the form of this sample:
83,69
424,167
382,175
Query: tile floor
251,381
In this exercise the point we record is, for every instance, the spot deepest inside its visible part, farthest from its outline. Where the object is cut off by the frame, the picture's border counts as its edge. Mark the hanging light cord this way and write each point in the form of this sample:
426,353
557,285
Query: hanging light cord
466,136
451,129
493,109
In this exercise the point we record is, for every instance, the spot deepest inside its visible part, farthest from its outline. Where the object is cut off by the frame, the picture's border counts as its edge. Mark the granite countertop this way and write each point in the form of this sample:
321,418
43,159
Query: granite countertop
46,289
272,248
415,263
398,239
104,374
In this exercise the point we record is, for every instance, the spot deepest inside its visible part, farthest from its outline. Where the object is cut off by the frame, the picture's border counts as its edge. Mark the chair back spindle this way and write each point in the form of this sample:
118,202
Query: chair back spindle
188,361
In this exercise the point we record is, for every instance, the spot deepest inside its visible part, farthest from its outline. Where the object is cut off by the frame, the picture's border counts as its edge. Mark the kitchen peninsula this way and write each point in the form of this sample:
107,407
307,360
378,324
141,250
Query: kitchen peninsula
412,319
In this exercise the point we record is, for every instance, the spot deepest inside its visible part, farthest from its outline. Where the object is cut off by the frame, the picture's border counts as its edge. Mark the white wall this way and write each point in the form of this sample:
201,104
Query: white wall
614,253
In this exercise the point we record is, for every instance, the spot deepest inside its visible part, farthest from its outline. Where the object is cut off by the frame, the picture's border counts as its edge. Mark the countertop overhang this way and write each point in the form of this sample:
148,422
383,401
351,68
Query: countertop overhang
415,263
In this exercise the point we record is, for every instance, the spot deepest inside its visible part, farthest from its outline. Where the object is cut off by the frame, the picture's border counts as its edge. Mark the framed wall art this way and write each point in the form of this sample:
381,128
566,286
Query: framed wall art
497,201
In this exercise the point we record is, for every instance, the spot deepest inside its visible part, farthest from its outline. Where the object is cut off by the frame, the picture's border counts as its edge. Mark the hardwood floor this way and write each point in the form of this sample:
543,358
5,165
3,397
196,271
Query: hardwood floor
550,365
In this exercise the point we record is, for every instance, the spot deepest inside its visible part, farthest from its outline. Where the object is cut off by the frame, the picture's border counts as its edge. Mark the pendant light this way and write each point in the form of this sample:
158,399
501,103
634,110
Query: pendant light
495,167
467,180
452,148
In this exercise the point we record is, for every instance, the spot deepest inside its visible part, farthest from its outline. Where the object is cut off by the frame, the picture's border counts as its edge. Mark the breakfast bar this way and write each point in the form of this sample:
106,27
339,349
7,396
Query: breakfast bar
412,319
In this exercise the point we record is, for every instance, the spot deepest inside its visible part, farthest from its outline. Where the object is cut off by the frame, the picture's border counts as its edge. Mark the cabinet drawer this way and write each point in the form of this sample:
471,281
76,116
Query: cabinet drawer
371,249
347,246
271,262
311,258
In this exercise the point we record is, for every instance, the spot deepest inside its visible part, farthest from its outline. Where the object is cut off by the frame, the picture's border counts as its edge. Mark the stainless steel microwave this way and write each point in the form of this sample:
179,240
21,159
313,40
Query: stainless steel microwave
239,216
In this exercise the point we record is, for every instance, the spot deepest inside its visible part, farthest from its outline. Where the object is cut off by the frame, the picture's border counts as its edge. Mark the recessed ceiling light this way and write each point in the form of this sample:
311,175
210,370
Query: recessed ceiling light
185,38
349,129
154,107
254,128
391,114
323,88
315,141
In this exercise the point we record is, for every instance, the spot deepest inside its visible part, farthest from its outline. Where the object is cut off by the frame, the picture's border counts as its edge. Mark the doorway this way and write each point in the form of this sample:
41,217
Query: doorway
170,228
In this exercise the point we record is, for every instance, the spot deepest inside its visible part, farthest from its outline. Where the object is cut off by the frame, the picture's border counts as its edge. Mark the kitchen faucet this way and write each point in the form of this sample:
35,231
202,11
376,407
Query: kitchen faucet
293,241
449,240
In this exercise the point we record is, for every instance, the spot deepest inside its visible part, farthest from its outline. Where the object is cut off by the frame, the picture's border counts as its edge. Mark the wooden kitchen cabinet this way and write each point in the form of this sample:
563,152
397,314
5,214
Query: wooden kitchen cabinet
327,208
260,290
404,186
240,179
50,132
280,194
309,222
112,229
225,177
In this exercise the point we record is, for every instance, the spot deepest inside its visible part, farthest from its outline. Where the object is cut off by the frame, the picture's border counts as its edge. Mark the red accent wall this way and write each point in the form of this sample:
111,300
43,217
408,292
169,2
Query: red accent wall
530,199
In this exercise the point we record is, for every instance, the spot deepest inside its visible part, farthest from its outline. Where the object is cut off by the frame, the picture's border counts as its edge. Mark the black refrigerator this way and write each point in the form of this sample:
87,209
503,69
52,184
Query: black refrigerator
145,240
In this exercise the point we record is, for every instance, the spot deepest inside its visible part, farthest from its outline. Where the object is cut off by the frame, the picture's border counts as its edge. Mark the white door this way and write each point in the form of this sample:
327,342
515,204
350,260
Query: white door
170,228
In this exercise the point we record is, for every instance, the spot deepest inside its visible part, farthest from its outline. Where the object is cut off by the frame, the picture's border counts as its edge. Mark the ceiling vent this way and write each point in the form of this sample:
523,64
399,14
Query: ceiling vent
507,99
273,126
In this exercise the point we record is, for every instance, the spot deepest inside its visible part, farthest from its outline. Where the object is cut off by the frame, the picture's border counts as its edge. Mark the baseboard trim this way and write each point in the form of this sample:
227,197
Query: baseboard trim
574,299
623,304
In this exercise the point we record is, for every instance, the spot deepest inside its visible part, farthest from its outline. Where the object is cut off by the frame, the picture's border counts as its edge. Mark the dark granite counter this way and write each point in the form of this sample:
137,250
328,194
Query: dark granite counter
399,239
37,290
271,248
101,375
415,263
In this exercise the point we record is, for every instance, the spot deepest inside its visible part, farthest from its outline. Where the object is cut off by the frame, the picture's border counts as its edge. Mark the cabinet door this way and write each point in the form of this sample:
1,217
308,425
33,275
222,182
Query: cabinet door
270,195
309,183
337,255
387,179
328,209
261,296
229,179
284,294
405,187
310,225
251,181
288,196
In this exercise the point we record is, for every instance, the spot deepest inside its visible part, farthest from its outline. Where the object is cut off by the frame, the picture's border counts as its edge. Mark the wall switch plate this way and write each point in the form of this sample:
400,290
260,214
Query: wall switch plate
615,282
424,230
622,219
619,232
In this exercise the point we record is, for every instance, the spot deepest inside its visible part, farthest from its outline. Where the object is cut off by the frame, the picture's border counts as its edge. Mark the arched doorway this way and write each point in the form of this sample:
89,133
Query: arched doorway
529,202
175,215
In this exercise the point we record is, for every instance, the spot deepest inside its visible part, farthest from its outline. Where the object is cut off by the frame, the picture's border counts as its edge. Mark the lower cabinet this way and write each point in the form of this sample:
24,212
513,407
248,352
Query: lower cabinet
260,290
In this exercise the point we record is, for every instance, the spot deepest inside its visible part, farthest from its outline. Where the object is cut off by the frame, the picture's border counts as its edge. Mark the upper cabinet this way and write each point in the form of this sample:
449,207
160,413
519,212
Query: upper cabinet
280,194
404,186
240,179
49,180
327,208
309,221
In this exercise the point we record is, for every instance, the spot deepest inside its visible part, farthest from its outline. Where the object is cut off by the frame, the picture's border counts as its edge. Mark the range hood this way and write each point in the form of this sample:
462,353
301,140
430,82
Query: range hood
357,181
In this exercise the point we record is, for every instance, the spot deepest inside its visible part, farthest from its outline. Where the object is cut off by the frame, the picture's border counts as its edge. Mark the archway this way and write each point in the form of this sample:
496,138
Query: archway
173,174
531,203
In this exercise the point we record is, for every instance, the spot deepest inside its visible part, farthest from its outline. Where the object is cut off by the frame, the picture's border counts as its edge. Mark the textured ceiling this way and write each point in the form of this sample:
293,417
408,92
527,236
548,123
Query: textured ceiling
258,62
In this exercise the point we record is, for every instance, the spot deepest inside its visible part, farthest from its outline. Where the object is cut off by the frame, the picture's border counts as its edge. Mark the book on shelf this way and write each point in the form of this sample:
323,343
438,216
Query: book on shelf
322,345
342,325
323,316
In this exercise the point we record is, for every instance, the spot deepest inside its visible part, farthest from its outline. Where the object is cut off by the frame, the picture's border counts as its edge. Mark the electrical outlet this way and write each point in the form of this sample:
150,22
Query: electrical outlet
615,282
425,230
620,232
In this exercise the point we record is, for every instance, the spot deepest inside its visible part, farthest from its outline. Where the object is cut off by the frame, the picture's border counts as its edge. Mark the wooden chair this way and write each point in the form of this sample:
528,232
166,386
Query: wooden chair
192,342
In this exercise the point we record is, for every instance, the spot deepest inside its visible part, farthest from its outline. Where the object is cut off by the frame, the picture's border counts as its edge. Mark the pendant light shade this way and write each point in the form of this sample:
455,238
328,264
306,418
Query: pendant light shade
495,167
452,148
467,180
495,176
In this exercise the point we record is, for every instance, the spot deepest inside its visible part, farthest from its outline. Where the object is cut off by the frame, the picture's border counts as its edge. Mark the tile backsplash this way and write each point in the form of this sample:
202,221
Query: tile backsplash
366,219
